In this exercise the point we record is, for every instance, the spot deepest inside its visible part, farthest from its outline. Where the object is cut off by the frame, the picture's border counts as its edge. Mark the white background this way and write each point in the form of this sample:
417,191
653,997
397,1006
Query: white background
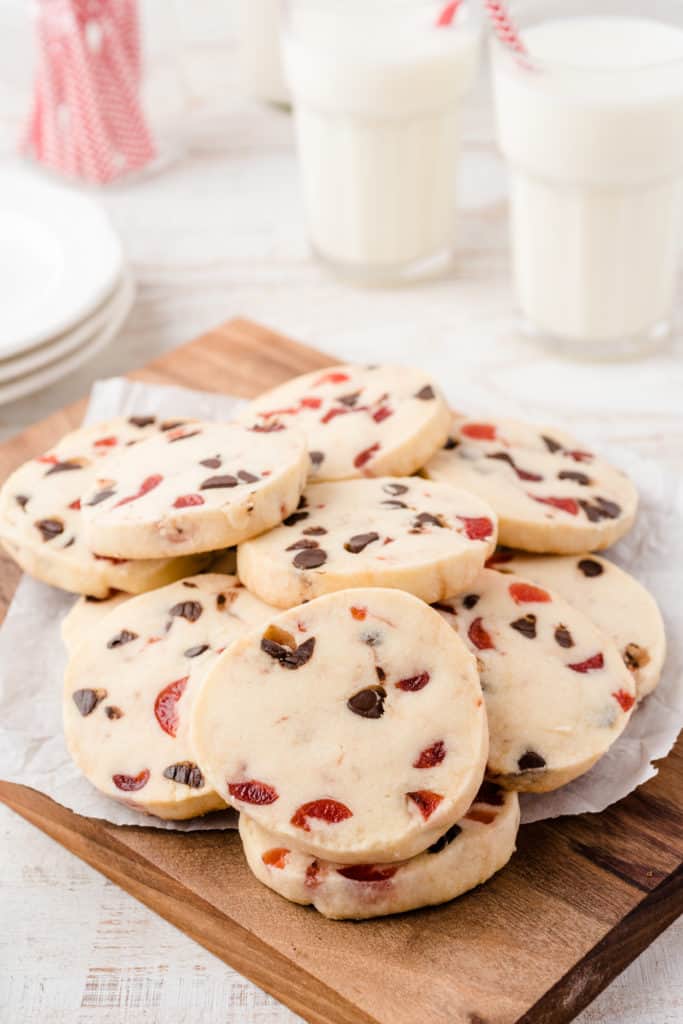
220,233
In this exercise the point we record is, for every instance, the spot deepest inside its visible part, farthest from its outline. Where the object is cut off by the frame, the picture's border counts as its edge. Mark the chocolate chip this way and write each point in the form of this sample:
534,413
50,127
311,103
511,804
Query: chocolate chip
371,637
194,652
141,421
393,503
635,656
215,482
563,637
106,492
303,545
445,840
523,474
491,794
368,703
213,463
122,638
87,700
426,393
529,760
220,600
189,585
470,601
64,467
267,428
315,531
350,399
609,509
441,606
381,674
359,542
21,500
427,519
247,478
593,514
589,567
572,474
50,528
551,445
394,489
185,773
526,626
295,518
171,424
450,444
190,610
316,458
113,712
310,559
286,657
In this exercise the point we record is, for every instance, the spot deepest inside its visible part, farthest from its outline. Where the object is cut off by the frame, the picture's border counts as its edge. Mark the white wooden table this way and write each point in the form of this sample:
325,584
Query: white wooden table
220,233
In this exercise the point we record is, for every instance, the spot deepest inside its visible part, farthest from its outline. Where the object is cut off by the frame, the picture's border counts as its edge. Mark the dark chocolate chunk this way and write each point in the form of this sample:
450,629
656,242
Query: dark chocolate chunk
589,567
189,584
21,500
194,652
359,542
469,601
295,518
394,489
551,445
381,674
426,519
185,773
310,559
212,463
183,437
526,626
170,424
141,421
106,492
190,610
315,531
303,545
87,700
350,399
529,760
113,712
371,637
426,393
220,600
450,444
247,478
609,509
441,606
64,467
491,794
216,482
635,656
285,656
122,638
563,637
575,475
316,458
445,840
50,528
368,703
393,503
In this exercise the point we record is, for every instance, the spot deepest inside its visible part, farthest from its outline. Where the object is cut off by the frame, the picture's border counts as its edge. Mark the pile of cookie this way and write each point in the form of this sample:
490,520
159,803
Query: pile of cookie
368,679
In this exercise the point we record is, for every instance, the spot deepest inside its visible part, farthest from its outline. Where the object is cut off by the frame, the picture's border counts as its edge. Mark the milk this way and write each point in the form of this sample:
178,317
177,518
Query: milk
377,90
594,138
259,50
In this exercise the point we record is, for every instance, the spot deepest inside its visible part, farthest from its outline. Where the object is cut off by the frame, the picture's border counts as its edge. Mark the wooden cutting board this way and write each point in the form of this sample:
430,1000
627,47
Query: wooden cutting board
580,899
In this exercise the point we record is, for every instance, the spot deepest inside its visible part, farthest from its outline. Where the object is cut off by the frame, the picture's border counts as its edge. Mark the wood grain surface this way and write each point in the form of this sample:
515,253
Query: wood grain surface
582,897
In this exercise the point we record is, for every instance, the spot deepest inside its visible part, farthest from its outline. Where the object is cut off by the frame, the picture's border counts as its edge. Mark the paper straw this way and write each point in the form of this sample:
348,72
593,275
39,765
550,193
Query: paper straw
447,15
506,31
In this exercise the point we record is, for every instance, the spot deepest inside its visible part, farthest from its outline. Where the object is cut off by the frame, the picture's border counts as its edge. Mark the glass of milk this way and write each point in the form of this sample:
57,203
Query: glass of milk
591,125
377,88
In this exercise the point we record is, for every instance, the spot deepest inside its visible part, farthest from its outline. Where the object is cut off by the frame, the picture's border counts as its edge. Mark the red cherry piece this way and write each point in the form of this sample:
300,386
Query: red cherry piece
312,872
477,527
130,783
590,664
311,403
431,756
147,485
564,504
579,456
624,699
479,431
50,460
188,500
335,411
291,411
329,811
106,442
479,637
75,505
527,593
165,706
358,613
413,683
368,872
383,413
253,792
275,858
332,378
364,457
426,801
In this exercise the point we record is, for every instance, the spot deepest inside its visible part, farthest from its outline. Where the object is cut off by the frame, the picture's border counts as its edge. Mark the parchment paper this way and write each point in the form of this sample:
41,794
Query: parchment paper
32,658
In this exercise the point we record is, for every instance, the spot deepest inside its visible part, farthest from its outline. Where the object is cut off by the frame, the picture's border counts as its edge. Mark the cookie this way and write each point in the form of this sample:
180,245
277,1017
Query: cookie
359,420
200,487
130,685
84,614
40,518
427,538
352,727
612,599
557,691
549,493
466,855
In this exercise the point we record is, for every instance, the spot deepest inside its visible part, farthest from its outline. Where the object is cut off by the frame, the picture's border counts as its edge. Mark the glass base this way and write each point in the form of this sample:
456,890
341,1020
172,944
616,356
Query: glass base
383,275
630,346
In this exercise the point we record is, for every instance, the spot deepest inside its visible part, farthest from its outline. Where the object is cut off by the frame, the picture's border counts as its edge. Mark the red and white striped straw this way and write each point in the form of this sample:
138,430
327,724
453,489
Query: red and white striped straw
448,13
506,31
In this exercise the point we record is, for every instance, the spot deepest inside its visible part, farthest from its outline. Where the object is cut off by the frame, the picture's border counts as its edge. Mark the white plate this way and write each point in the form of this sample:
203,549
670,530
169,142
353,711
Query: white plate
59,259
51,351
54,371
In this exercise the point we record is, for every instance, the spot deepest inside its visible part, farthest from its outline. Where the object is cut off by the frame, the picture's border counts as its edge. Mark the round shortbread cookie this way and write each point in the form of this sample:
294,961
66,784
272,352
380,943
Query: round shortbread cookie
427,538
466,855
40,519
352,727
198,488
557,691
550,495
129,689
359,420
616,602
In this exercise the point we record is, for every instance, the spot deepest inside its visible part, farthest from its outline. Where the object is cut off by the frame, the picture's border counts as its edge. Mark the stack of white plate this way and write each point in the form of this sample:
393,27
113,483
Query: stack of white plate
65,289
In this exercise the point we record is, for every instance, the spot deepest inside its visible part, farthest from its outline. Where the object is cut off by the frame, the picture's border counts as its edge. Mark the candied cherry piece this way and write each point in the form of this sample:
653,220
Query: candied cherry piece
527,593
479,431
477,527
426,801
432,756
166,705
364,457
590,664
251,791
368,872
131,783
480,637
188,501
334,377
568,505
413,683
327,810
275,858
625,700
147,485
